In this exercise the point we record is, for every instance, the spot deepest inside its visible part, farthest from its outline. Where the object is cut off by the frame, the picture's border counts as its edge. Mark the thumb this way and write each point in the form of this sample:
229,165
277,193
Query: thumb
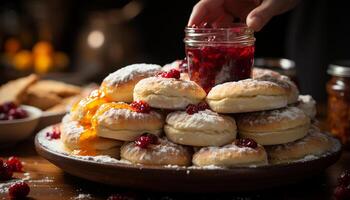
259,16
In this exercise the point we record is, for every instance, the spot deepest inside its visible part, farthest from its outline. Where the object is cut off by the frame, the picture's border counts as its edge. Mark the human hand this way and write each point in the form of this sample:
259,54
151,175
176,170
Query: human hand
255,13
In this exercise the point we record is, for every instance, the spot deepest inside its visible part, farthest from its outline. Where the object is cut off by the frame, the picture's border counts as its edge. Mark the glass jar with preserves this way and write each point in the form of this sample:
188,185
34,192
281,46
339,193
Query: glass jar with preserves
218,55
338,89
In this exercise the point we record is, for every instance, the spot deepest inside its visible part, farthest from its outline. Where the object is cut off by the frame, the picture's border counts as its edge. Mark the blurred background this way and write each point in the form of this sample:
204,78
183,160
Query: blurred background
82,41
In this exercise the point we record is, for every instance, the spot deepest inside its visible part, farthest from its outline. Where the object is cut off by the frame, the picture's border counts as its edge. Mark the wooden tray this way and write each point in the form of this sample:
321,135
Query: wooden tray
186,179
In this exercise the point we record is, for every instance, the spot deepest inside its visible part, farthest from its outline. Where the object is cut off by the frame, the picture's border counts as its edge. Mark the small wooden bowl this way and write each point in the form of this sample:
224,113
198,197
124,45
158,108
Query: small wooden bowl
186,179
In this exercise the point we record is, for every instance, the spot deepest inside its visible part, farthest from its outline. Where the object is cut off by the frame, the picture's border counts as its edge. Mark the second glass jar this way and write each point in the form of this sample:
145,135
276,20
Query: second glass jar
218,55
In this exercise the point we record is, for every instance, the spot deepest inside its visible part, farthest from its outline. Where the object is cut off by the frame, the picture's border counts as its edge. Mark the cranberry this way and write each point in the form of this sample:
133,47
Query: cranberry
173,73
203,106
6,107
246,142
17,113
5,171
15,164
19,190
191,109
146,139
342,192
141,106
119,197
54,134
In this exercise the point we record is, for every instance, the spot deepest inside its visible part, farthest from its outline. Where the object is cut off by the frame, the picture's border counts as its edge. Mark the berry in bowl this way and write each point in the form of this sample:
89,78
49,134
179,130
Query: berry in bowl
17,122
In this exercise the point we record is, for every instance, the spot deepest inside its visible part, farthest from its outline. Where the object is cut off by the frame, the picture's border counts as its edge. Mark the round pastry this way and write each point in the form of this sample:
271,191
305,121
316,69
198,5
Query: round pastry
120,121
246,96
286,83
231,155
161,152
168,93
314,144
73,136
204,128
307,104
274,126
119,86
259,72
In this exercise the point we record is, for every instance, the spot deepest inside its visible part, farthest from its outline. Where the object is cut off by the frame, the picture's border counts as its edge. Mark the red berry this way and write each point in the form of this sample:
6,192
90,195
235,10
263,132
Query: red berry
6,107
146,139
17,113
191,109
344,178
173,73
19,190
141,106
54,134
342,192
246,142
203,106
205,25
5,171
15,164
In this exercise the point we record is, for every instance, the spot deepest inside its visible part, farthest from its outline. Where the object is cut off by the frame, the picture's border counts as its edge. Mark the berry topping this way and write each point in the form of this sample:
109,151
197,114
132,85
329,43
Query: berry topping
342,192
246,142
146,139
344,178
9,111
5,171
19,190
191,109
203,106
54,134
140,106
15,164
173,73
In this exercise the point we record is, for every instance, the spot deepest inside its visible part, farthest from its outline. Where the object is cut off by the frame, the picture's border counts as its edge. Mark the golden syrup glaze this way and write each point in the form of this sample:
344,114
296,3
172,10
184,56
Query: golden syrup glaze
94,106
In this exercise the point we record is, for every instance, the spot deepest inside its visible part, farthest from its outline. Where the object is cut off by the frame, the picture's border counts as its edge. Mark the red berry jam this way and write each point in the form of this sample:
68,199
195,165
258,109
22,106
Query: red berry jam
19,190
218,54
5,171
54,134
173,73
9,111
246,142
212,65
145,140
191,109
140,106
15,164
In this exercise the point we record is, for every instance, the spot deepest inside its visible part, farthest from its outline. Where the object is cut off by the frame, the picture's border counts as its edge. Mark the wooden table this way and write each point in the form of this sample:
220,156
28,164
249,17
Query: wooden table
49,182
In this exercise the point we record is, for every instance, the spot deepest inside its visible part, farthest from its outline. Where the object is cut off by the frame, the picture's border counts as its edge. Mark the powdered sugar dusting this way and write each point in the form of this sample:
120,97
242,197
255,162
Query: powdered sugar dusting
129,72
265,117
206,119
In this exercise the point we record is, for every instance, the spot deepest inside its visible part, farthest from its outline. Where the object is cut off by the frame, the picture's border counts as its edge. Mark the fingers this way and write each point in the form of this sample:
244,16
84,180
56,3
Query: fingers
259,16
203,9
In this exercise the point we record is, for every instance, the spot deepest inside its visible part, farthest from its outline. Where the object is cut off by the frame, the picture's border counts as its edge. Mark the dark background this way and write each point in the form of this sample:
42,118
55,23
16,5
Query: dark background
152,32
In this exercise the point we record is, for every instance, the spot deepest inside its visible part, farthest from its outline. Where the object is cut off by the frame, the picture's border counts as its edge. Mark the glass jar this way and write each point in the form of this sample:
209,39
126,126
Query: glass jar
338,89
218,55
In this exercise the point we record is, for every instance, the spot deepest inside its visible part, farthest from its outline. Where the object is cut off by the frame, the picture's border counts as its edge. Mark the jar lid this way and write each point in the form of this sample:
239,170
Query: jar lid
341,69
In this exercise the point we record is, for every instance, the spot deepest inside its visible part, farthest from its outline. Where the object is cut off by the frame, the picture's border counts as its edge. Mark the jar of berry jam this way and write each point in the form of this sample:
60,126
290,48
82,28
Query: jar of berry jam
218,55
338,89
